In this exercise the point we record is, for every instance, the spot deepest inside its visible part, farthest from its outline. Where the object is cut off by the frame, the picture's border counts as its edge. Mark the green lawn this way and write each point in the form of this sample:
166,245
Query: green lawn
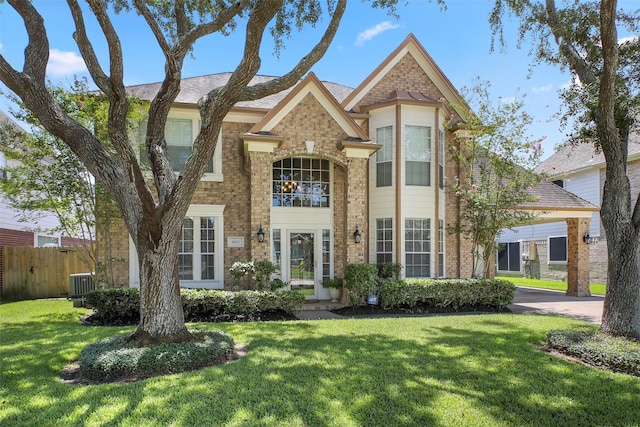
479,370
596,289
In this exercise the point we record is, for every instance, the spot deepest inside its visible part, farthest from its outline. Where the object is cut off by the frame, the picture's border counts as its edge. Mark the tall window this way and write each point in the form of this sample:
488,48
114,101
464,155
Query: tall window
441,248
276,251
196,253
558,249
301,181
509,256
417,141
326,254
384,156
384,240
179,136
441,157
417,242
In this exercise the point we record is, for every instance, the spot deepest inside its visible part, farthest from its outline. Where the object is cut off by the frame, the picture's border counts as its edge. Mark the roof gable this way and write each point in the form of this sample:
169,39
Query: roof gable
410,46
310,85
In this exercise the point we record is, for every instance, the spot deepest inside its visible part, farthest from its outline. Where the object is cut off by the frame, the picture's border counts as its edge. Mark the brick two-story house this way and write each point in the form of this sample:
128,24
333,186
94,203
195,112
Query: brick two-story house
331,175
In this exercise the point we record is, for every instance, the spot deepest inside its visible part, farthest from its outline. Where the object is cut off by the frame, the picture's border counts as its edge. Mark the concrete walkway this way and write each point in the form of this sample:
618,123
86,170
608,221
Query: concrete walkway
528,301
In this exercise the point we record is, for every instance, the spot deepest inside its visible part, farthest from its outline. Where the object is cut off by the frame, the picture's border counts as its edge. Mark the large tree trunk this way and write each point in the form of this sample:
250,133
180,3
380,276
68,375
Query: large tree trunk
161,314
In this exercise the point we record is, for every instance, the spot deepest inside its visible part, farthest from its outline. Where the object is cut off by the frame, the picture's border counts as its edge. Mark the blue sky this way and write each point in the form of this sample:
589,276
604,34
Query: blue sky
458,39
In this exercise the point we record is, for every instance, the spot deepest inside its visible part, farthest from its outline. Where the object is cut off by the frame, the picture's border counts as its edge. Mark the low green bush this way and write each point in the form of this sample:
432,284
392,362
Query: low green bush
115,306
446,293
614,353
360,280
122,306
114,357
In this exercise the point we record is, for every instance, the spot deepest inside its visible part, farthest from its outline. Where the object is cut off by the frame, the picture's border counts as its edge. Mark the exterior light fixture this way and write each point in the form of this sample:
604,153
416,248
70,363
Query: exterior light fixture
357,236
260,234
588,239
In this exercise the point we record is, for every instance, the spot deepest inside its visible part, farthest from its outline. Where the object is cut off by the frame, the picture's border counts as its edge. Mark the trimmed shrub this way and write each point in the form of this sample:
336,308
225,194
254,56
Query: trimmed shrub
122,306
114,357
452,293
360,280
614,353
115,306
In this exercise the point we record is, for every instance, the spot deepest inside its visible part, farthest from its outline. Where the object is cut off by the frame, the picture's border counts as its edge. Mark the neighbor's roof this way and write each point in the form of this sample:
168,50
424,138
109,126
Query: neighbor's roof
6,120
550,197
194,88
570,159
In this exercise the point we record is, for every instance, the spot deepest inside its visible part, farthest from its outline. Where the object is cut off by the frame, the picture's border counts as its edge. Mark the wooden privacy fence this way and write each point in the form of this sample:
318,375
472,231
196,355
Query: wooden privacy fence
32,273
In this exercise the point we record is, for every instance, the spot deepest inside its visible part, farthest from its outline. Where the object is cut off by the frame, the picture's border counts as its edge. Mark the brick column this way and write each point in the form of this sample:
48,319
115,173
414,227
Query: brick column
577,257
356,196
260,204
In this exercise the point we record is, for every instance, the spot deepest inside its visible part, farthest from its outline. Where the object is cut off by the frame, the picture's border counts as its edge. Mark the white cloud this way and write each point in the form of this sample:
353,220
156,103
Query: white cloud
508,99
567,85
0,47
628,39
546,88
370,33
64,63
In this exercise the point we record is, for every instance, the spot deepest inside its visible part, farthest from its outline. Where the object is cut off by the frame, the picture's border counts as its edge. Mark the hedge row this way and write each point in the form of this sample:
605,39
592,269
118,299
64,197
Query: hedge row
121,305
446,293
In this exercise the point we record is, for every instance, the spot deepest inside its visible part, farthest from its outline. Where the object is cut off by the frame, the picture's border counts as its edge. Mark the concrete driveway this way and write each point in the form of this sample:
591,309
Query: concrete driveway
529,300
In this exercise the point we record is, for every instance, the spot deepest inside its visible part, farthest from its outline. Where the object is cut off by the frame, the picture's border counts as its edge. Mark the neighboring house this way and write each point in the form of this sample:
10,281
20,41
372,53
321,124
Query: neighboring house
540,250
14,232
331,175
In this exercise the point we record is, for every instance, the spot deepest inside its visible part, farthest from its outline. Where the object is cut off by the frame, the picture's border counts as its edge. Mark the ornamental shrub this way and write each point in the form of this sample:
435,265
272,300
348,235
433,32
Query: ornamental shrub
360,280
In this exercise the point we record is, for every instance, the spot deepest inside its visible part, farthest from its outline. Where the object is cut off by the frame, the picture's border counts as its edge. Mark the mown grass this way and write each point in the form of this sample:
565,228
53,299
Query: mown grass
596,289
429,371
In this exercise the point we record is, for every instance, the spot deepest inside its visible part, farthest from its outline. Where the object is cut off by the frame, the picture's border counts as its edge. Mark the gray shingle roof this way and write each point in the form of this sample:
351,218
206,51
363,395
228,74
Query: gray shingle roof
5,119
552,197
193,88
571,159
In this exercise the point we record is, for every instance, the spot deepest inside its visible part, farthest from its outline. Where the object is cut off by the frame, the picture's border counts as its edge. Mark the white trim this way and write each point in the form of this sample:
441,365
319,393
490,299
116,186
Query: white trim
216,211
549,262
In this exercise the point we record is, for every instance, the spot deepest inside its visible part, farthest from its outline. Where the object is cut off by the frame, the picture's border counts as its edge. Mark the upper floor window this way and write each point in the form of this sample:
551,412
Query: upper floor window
302,182
417,141
384,161
179,133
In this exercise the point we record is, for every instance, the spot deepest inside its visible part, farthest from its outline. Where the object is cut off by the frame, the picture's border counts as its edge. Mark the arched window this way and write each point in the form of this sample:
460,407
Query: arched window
301,182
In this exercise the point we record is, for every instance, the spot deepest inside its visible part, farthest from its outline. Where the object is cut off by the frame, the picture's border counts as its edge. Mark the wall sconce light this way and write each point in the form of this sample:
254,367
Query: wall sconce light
260,234
588,239
357,236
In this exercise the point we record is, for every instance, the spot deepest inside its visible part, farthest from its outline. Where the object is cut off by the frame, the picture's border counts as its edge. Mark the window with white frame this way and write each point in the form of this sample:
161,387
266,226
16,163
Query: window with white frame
384,240
441,248
417,242
417,140
47,241
301,182
441,157
196,253
384,156
509,256
179,134
558,249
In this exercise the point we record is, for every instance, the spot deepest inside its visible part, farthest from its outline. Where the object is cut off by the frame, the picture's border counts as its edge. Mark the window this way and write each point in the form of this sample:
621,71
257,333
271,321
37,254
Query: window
441,248
196,253
47,241
441,160
417,242
302,182
417,141
179,134
559,183
558,249
276,251
509,256
326,254
384,161
384,240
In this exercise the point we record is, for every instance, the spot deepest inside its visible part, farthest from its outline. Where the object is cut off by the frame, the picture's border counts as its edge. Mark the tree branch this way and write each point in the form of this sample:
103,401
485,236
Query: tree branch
304,65
36,55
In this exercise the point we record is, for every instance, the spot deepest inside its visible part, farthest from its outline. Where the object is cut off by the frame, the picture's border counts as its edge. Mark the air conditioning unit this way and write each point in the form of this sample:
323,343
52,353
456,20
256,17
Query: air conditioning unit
80,284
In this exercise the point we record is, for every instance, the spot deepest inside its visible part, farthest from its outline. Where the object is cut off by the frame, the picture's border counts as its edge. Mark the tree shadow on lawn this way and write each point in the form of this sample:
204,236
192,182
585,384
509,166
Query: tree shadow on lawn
411,371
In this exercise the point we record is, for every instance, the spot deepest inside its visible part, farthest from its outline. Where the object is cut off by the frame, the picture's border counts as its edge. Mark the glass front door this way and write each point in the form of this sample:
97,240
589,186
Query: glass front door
302,263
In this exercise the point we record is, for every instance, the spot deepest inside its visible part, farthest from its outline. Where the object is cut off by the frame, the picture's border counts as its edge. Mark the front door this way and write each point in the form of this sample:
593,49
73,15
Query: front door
302,263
